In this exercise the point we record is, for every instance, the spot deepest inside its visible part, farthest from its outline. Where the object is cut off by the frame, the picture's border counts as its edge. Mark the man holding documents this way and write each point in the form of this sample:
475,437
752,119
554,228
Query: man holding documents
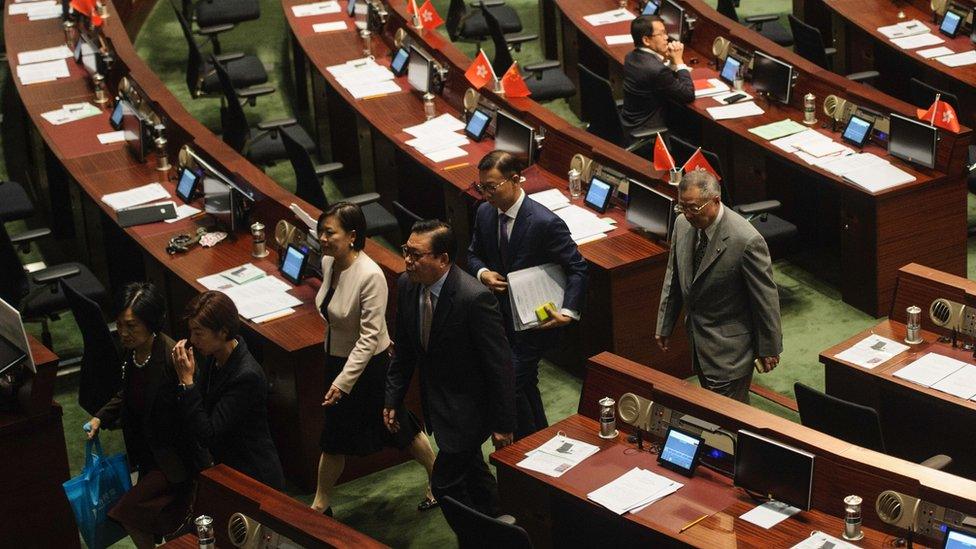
513,232
719,271
654,72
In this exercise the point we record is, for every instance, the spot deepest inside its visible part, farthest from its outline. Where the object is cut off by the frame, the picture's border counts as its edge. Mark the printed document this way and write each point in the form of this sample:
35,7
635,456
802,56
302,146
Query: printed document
735,110
633,491
917,41
531,288
903,29
558,455
961,383
769,514
819,540
608,17
871,351
930,369
959,59
318,8
46,54
152,192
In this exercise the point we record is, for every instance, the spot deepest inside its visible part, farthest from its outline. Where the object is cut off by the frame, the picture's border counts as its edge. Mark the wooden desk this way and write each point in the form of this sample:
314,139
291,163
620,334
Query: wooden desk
556,511
34,463
626,270
865,234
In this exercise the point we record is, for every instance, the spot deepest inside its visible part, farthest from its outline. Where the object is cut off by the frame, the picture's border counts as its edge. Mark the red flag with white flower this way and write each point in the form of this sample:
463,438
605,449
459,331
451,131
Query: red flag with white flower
429,17
513,84
480,72
663,161
698,162
88,9
940,114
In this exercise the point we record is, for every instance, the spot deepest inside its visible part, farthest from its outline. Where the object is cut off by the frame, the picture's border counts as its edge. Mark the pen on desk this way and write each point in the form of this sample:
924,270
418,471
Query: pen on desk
455,166
692,523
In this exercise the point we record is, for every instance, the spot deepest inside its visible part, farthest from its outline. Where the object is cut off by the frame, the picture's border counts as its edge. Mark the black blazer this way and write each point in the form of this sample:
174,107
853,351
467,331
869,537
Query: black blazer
538,237
226,411
648,83
159,429
466,378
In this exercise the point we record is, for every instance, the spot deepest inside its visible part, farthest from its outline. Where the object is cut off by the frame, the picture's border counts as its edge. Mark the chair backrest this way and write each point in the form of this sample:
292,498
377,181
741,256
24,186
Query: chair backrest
839,418
475,529
194,59
808,42
923,94
233,121
503,58
405,217
13,280
101,366
455,14
598,107
727,8
308,186
682,150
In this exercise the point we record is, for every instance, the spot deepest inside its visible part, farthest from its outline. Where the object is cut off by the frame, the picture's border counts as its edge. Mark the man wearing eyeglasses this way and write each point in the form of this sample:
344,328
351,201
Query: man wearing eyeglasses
513,232
719,271
654,73
448,326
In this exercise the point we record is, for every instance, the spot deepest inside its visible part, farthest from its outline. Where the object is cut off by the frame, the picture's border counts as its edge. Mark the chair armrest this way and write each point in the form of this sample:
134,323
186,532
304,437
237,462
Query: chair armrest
216,29
541,66
363,199
227,57
938,462
255,92
650,132
487,3
753,19
863,76
756,208
518,38
28,236
276,124
331,167
830,51
55,273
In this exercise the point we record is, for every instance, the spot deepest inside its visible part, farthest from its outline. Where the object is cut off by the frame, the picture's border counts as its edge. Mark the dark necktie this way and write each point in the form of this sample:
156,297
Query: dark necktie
426,317
503,237
700,251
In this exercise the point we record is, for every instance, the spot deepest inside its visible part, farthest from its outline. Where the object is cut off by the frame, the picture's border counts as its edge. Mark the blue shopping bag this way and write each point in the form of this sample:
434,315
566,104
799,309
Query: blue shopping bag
101,484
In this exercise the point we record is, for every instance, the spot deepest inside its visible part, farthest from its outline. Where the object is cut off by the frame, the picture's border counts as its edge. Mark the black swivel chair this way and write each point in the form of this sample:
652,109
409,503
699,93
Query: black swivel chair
262,145
244,70
36,295
809,44
602,113
101,366
776,231
766,25
15,203
405,217
308,176
218,13
544,79
847,421
476,530
468,25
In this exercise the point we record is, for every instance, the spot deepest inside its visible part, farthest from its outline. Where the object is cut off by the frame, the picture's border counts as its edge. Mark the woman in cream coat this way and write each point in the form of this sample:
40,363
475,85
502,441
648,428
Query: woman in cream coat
352,300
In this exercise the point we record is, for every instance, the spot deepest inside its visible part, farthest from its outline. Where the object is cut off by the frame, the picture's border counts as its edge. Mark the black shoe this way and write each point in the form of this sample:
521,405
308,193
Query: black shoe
427,504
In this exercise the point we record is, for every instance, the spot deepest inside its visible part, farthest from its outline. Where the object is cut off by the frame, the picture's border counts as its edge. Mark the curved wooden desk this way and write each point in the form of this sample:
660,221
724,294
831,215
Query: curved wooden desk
868,234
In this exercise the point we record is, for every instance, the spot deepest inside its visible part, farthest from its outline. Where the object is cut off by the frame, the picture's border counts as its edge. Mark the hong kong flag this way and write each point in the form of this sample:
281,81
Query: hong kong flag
698,162
429,17
941,114
480,72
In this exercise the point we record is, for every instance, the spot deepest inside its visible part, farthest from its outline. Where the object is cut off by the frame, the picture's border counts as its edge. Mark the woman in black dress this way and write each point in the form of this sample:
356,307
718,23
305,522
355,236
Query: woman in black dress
352,300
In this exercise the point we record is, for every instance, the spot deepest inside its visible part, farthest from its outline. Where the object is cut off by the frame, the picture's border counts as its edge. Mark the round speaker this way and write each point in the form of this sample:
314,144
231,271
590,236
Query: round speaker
938,6
237,528
940,312
889,506
720,47
399,37
184,157
830,105
124,85
284,233
471,97
628,408
583,165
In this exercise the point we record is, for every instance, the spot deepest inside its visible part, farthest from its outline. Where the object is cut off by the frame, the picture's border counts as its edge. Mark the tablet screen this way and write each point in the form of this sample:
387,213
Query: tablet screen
399,63
351,8
293,264
680,451
477,125
188,182
116,119
598,195
957,539
651,7
858,130
730,69
950,23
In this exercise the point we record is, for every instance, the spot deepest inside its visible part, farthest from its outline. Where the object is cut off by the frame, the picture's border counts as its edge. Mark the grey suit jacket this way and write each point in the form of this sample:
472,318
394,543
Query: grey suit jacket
731,304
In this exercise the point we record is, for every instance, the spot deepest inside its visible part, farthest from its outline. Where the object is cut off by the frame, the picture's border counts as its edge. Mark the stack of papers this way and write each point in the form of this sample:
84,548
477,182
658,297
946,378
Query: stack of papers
70,113
812,147
871,351
557,456
318,8
438,138
552,199
878,177
609,17
47,71
778,129
903,29
769,514
917,41
145,194
735,110
534,287
935,52
46,54
842,165
709,86
583,223
958,59
942,373
257,299
618,39
364,78
633,491
36,11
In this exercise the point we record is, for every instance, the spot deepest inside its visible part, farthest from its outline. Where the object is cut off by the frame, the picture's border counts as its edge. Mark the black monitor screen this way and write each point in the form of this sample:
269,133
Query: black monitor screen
651,211
133,130
912,140
772,76
514,136
651,7
10,355
218,201
673,16
773,469
959,539
419,70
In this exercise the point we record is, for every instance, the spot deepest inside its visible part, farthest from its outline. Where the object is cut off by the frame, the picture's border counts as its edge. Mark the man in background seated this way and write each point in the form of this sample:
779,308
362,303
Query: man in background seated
654,73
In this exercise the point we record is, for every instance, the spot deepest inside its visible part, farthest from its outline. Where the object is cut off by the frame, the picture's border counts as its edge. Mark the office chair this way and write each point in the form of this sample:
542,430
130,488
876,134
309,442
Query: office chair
809,44
464,25
244,70
545,80
766,25
847,421
776,231
477,530
35,294
405,217
262,144
101,365
308,176
15,204
221,13
602,113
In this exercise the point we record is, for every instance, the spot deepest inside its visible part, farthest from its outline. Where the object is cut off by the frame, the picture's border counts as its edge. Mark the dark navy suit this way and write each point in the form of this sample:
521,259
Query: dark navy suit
537,237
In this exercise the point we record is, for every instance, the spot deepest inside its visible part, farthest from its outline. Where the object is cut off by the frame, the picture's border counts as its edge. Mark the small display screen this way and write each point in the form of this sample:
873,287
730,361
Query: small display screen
477,125
293,264
116,118
956,539
399,63
598,195
680,451
188,182
858,130
730,69
950,23
351,8
651,7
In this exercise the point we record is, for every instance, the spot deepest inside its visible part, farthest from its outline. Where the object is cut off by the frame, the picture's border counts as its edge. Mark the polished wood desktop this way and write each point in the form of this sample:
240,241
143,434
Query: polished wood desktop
556,511
863,236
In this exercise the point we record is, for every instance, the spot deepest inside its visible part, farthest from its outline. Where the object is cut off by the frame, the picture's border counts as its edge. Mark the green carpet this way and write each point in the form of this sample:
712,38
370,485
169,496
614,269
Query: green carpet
383,505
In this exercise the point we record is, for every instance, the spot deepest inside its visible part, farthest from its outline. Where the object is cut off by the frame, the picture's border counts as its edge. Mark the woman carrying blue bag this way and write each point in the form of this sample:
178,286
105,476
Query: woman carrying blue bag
101,484
145,407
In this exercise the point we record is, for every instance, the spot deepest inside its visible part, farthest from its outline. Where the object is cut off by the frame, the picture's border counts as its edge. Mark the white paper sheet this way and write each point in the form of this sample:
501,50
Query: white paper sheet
633,490
531,288
608,17
133,197
820,540
820,148
184,211
558,455
735,110
769,514
905,28
437,125
961,383
959,59
617,39
929,369
436,142
841,165
71,113
46,71
446,154
583,223
553,199
715,87
935,52
917,41
871,351
318,8
330,26
373,89
42,55
878,177
111,137
790,143
20,8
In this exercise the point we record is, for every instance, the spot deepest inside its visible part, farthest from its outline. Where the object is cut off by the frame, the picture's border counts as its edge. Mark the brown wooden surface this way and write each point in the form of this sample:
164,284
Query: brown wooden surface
922,221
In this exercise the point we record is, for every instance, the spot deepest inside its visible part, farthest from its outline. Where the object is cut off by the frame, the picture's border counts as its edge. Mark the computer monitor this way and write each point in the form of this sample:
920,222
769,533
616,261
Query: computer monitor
912,140
651,211
514,136
86,54
651,7
772,77
972,33
420,72
730,69
673,16
134,130
958,539
220,202
773,469
14,347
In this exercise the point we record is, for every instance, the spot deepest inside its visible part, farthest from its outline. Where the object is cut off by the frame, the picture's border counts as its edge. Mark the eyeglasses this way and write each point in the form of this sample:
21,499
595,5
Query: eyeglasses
690,208
413,255
665,33
486,188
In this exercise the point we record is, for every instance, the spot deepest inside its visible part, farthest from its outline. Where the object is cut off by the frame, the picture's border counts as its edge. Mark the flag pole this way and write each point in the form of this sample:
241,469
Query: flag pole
415,20
936,109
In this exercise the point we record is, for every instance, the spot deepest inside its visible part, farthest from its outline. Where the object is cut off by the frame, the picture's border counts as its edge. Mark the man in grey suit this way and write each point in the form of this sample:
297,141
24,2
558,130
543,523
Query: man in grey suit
719,270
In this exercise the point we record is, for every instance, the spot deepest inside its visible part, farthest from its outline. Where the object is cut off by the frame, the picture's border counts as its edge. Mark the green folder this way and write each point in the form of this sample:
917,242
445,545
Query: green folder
778,129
